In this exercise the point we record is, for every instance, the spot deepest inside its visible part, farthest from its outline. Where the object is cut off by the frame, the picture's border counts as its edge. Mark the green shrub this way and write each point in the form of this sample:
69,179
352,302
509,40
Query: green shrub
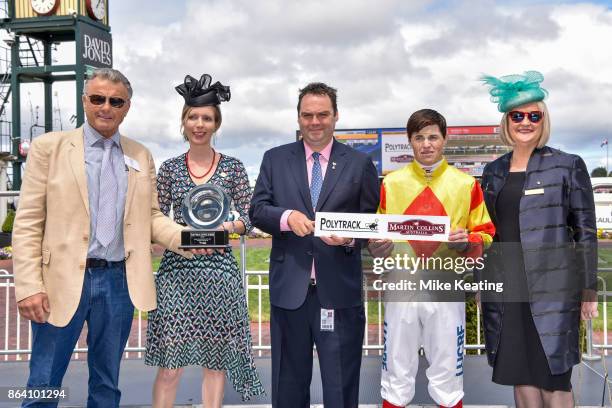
7,226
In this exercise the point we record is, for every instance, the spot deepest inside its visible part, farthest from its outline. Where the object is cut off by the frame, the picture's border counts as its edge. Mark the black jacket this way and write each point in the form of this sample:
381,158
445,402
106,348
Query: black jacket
559,247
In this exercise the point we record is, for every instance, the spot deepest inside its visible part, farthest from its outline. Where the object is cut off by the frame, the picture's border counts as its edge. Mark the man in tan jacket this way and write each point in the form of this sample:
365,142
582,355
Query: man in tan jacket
87,214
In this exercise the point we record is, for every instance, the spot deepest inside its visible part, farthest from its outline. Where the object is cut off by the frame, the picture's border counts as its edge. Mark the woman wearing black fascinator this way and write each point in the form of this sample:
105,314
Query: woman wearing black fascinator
202,317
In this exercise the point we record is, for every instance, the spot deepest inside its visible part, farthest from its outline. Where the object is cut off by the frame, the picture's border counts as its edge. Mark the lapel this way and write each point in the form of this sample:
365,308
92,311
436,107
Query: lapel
76,156
535,161
337,161
297,164
130,152
496,182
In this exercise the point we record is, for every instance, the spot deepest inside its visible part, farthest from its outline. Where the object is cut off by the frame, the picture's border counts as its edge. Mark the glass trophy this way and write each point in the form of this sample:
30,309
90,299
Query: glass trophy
204,209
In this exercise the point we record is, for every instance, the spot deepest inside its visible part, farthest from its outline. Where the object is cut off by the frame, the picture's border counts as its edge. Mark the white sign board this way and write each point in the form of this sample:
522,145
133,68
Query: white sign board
396,151
603,214
383,226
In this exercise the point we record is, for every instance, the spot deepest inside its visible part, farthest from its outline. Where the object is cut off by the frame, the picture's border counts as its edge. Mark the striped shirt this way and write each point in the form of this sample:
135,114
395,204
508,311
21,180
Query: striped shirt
94,149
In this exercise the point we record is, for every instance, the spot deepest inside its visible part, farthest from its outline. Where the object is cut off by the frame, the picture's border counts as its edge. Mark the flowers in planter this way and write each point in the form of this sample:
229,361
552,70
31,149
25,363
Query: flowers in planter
6,252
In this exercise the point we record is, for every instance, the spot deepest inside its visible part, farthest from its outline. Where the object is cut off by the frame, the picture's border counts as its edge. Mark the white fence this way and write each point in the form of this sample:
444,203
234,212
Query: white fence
15,332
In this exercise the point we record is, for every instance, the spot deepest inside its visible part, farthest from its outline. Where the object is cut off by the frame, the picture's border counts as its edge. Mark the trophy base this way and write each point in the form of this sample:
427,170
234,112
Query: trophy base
196,239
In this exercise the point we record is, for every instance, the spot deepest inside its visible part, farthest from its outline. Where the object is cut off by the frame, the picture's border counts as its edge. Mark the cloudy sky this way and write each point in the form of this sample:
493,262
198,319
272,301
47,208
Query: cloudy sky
387,58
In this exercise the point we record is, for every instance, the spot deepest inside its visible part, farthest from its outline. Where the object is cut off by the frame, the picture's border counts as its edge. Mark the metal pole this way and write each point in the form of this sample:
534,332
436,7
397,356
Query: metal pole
16,113
48,88
243,256
80,74
589,356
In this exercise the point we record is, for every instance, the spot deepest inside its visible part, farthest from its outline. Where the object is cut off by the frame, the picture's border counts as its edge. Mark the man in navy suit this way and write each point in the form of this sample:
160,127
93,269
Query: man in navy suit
315,283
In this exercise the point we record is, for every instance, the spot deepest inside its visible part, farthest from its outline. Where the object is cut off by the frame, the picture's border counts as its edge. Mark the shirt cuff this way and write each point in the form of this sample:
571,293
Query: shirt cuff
284,225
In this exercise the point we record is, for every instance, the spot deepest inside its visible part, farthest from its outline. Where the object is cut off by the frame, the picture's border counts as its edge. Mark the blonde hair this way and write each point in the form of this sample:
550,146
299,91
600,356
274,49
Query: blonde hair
504,131
185,113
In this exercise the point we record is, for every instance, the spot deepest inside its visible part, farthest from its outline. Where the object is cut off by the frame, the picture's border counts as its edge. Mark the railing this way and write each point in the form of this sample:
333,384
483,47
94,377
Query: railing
16,332
605,346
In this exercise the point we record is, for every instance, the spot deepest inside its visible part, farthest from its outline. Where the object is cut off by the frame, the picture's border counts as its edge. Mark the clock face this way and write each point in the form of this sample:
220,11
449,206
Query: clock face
44,7
96,9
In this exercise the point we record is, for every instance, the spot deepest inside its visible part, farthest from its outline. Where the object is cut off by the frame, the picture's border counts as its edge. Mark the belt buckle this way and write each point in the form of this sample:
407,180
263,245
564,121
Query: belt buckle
96,263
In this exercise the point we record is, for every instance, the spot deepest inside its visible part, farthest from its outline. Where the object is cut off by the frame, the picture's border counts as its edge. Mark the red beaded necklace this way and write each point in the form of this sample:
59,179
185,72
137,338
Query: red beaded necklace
212,163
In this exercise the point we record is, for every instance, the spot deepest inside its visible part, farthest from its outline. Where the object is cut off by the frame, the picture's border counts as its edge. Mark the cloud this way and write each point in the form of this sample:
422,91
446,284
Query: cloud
386,60
475,25
265,51
575,75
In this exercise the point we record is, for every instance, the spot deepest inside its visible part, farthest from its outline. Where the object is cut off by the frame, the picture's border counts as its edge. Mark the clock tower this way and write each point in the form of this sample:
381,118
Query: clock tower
33,27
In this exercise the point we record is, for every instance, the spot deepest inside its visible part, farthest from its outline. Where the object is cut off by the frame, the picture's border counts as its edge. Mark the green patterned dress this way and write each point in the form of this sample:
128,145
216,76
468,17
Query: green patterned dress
201,316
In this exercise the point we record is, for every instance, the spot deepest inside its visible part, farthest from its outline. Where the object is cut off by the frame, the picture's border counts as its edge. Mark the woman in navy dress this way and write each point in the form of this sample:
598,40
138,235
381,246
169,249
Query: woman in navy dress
541,202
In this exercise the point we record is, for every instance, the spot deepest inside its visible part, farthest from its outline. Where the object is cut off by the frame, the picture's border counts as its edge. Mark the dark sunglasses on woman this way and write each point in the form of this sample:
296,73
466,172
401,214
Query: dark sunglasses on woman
518,116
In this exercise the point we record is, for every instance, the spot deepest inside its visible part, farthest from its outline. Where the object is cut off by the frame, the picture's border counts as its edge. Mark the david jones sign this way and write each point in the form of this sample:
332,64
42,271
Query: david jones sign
96,47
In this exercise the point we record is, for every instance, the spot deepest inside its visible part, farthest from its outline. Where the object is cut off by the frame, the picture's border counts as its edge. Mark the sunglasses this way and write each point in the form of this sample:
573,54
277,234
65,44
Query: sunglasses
518,116
114,101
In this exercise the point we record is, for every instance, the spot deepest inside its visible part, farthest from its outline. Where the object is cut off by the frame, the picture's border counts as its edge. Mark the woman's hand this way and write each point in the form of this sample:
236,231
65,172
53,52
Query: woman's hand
206,251
588,310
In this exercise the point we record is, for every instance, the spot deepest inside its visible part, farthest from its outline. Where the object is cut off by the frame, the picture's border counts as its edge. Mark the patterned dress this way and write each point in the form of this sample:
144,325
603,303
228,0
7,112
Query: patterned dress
201,316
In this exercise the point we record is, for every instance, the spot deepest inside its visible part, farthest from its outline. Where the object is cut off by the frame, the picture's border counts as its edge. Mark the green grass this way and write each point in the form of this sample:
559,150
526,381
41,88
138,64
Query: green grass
598,322
605,261
258,259
605,257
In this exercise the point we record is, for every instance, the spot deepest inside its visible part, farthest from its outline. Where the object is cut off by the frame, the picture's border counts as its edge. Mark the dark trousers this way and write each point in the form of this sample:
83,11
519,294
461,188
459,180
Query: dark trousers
106,307
293,334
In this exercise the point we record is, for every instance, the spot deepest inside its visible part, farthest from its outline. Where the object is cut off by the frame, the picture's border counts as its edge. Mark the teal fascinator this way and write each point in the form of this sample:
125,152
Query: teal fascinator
511,91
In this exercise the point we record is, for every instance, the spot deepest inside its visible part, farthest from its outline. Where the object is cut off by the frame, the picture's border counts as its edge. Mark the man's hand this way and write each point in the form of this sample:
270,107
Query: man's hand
300,224
380,248
458,240
334,240
35,307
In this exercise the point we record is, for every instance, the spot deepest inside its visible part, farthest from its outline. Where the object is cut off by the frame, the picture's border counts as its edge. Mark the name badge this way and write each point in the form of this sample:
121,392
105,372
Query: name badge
327,320
131,163
534,191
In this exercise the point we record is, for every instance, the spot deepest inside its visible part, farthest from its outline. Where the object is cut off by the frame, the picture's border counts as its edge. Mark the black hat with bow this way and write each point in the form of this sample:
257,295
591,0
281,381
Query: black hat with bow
202,93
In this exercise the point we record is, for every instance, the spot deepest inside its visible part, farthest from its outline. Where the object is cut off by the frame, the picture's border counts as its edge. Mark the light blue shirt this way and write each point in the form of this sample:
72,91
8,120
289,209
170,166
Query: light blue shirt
94,149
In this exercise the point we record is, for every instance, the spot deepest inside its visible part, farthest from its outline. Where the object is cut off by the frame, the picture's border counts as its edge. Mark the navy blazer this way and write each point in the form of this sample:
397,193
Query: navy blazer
351,186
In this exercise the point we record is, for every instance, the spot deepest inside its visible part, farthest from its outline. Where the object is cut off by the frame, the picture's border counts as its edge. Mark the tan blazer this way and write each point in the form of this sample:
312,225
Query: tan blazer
51,230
